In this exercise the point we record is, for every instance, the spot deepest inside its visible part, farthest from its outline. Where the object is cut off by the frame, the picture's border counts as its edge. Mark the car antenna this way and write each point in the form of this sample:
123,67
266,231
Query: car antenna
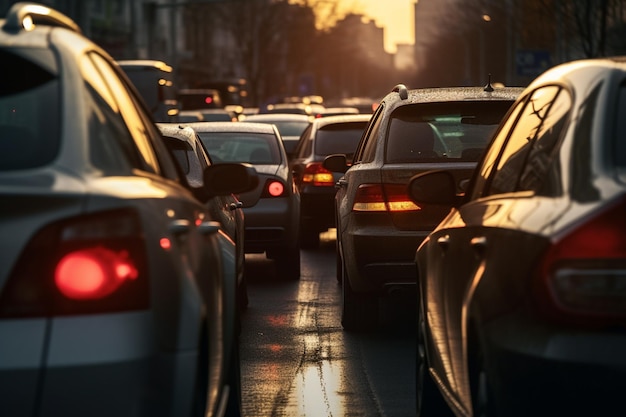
488,87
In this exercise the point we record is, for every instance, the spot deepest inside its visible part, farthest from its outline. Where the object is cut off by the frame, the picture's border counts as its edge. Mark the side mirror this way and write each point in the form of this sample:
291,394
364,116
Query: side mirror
230,178
433,187
336,163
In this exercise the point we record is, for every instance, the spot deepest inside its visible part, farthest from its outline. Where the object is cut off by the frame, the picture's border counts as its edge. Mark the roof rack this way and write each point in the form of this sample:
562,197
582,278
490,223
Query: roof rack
402,90
25,15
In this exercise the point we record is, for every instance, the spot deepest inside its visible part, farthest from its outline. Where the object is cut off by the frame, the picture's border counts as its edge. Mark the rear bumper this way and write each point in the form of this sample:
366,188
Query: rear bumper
380,258
568,371
96,366
271,223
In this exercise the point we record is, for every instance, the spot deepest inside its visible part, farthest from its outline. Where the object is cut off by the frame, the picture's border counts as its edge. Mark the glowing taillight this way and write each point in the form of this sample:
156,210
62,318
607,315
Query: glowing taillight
583,273
383,197
88,264
315,174
93,273
275,189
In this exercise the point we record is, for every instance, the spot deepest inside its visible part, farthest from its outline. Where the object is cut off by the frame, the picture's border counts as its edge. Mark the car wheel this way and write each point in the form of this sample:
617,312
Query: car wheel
288,263
309,237
233,405
428,399
242,294
359,311
479,383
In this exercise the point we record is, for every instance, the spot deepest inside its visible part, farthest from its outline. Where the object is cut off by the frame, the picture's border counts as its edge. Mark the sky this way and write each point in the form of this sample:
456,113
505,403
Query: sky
395,16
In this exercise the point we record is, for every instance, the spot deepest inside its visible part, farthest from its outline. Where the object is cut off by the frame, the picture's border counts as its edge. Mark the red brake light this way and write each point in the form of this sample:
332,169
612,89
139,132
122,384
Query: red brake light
383,197
93,273
583,274
274,188
208,100
84,265
315,174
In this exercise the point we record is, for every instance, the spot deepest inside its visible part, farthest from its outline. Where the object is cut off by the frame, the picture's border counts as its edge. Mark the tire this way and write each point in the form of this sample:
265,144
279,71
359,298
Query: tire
233,405
482,394
428,399
242,295
288,263
359,312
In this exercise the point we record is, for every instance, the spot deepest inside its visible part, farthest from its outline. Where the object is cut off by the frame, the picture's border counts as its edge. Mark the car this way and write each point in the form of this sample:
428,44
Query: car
522,283
199,98
272,210
154,80
290,126
323,137
111,270
378,227
193,161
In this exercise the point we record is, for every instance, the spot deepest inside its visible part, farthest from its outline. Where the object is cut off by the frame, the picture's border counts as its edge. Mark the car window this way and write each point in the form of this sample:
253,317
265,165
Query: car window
29,112
618,142
341,138
366,150
145,134
304,143
506,177
257,149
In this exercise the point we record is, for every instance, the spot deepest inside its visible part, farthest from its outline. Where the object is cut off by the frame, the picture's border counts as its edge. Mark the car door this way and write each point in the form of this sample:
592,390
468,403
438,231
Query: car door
479,243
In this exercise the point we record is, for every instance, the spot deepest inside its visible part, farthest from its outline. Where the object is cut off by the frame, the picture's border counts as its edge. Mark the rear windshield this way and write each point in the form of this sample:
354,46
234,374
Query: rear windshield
341,138
443,132
29,111
256,149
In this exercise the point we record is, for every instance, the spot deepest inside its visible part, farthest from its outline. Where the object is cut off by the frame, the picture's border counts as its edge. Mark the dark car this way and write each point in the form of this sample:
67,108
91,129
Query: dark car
522,285
111,270
290,126
193,161
378,226
323,137
272,209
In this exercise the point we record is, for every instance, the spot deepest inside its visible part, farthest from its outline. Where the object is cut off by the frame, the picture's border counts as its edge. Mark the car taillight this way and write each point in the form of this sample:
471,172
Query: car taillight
273,188
383,197
583,274
315,174
85,265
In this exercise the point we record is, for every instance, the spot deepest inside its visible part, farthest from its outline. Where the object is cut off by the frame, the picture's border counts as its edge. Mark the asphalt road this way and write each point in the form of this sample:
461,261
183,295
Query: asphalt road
296,360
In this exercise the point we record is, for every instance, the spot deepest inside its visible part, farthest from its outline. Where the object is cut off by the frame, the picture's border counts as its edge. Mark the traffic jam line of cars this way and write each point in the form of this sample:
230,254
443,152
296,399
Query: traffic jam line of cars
124,240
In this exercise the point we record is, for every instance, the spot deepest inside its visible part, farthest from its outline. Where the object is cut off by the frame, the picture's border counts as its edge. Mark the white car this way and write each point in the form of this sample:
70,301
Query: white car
111,270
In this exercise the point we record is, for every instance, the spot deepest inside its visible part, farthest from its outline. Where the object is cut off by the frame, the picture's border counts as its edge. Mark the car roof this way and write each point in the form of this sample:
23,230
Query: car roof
447,94
278,117
144,63
342,118
232,127
177,131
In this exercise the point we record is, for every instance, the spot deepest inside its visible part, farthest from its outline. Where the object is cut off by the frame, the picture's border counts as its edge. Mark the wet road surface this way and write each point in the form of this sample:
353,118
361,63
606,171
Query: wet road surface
296,360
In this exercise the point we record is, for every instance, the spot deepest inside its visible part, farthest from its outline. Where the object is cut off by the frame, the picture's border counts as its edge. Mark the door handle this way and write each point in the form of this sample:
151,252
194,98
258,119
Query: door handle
209,228
180,227
444,242
479,244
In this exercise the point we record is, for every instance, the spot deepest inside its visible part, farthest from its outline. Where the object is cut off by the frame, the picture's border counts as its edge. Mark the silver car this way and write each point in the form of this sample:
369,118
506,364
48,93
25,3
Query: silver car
272,210
110,268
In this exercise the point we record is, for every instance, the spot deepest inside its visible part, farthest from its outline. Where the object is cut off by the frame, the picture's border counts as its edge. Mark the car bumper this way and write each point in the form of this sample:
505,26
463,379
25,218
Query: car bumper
97,366
568,371
379,258
318,207
271,223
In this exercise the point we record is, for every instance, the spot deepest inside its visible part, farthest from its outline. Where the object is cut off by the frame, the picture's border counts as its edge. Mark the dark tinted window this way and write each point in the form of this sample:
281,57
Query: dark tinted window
341,138
29,112
507,177
443,132
619,138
